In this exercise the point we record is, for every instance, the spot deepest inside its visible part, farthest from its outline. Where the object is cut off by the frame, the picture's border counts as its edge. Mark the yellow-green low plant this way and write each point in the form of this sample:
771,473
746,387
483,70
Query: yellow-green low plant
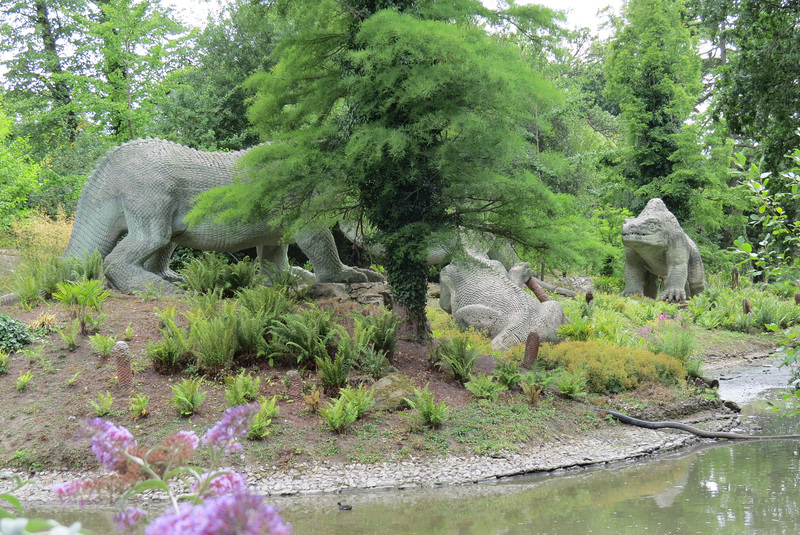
611,368
268,410
102,345
23,380
483,386
241,389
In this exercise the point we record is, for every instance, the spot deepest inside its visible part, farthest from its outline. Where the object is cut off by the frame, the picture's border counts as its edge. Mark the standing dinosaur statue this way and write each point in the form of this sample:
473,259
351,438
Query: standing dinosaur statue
143,189
656,246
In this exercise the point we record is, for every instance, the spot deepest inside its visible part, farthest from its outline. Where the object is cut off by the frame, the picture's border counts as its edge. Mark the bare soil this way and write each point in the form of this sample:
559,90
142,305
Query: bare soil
39,425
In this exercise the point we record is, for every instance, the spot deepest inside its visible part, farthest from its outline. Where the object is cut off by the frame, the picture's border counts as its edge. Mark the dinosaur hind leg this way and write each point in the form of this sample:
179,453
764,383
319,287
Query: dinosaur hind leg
158,263
145,244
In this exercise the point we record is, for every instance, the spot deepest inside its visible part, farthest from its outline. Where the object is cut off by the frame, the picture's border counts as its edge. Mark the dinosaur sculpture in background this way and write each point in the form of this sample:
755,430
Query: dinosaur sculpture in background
656,246
145,188
480,292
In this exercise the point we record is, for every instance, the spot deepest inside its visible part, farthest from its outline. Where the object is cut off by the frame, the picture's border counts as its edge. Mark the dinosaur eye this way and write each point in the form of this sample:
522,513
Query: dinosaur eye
652,226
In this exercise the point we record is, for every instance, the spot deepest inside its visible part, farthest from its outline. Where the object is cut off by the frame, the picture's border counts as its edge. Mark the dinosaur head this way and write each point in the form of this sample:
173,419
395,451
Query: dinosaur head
655,225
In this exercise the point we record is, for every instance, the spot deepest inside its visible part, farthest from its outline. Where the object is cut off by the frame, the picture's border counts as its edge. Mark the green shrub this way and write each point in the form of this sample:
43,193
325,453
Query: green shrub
360,397
303,336
571,384
457,354
338,414
382,328
213,342
212,273
260,427
483,386
273,303
607,284
610,368
138,406
333,372
187,396
69,334
102,345
507,374
13,334
578,328
669,334
23,380
251,328
430,413
374,363
241,389
104,403
172,351
3,362
85,300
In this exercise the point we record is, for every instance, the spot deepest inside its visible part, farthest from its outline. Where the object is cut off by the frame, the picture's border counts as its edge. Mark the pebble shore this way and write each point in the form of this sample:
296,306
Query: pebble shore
610,444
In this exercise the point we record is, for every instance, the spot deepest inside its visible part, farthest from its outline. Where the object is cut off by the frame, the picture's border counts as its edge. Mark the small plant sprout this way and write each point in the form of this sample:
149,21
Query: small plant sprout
23,380
71,380
3,362
268,410
138,406
128,334
103,404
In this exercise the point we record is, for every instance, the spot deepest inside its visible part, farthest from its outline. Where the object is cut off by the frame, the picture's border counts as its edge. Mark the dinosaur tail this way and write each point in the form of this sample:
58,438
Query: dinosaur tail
99,219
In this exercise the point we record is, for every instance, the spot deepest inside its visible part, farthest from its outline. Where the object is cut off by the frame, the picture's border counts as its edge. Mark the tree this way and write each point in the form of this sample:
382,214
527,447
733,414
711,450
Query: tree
37,39
653,72
412,115
758,91
206,107
18,174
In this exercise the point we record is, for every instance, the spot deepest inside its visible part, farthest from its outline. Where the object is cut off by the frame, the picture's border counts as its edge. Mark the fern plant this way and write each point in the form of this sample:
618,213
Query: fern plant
69,334
304,336
382,329
187,396
241,389
430,413
457,354
260,426
104,403
85,300
338,414
333,372
483,386
138,406
213,342
102,345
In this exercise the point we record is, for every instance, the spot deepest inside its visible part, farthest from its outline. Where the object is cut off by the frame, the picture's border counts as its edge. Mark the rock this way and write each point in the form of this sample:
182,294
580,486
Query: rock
361,292
389,392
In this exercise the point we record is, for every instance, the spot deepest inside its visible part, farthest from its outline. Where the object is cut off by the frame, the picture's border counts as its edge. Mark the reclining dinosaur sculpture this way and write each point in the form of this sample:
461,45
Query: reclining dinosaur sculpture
145,188
480,292
656,246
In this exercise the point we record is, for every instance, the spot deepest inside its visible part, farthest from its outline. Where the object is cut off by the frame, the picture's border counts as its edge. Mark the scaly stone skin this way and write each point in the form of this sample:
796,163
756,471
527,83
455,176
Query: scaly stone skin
656,246
479,292
146,187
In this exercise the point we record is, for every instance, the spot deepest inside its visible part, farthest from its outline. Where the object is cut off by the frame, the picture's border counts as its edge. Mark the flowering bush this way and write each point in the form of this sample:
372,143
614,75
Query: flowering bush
215,502
668,334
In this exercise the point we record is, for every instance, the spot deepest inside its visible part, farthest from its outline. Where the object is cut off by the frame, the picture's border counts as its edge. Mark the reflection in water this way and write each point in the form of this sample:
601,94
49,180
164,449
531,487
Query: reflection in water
725,488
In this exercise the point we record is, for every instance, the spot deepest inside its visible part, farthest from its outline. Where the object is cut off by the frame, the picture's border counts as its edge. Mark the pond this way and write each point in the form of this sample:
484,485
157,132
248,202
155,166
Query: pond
722,487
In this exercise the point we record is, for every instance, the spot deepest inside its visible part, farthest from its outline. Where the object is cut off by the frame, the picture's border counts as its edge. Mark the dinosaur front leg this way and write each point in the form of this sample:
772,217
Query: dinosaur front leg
320,248
635,273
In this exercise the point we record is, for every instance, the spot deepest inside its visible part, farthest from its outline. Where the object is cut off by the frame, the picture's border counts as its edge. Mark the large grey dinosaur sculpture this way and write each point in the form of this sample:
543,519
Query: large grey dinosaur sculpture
480,292
145,188
656,246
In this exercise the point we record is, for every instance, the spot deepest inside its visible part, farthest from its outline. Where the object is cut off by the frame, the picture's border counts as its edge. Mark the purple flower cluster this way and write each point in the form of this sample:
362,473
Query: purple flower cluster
128,521
230,514
649,334
235,423
219,483
108,441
